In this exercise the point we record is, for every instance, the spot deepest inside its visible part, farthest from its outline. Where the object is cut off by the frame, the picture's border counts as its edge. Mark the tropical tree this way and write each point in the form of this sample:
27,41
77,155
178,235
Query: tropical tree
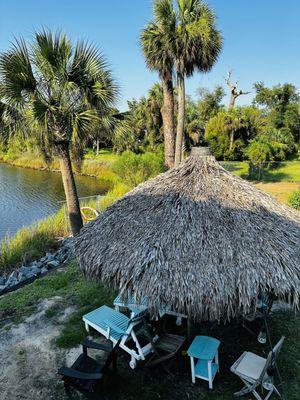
209,103
198,45
141,128
65,90
157,42
282,104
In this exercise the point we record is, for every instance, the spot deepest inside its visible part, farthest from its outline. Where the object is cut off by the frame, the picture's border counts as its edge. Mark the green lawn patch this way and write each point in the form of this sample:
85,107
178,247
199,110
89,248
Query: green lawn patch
67,283
288,171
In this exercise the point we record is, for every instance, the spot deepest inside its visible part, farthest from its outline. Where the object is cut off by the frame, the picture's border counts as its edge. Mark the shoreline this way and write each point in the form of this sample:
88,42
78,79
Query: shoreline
19,164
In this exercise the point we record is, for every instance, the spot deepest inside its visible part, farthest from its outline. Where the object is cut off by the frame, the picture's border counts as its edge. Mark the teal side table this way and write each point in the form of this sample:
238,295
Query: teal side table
204,357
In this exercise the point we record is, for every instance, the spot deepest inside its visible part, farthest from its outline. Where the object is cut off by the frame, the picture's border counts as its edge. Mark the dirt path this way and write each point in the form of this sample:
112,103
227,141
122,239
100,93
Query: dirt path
29,358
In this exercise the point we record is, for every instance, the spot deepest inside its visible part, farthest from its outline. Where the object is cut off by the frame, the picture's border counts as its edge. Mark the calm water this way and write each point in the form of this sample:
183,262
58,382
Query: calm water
28,195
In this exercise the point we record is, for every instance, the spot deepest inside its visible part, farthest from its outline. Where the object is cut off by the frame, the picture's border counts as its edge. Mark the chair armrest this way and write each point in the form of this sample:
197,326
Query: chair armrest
115,327
98,346
73,373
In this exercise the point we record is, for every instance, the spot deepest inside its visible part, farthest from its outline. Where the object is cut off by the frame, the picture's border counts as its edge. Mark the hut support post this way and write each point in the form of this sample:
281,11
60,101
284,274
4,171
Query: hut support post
190,328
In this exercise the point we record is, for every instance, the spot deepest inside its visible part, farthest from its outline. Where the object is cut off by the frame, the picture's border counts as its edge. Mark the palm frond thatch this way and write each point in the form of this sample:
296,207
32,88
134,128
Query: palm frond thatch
197,239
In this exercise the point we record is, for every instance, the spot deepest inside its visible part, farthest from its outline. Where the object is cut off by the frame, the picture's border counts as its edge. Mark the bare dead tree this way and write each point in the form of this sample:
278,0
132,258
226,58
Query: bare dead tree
235,92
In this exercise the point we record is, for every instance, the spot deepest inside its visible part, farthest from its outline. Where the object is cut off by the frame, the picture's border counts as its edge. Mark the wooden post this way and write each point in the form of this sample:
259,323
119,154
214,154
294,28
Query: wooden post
190,327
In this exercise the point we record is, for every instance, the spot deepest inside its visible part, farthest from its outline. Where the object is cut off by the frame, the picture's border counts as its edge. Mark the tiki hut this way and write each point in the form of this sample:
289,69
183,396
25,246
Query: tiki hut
197,239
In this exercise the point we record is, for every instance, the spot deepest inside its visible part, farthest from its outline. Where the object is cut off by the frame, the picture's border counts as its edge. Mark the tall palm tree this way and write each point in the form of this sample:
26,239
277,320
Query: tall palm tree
65,90
157,42
198,45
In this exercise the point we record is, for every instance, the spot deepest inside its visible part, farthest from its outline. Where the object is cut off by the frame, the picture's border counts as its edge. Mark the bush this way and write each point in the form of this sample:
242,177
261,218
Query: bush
294,199
133,169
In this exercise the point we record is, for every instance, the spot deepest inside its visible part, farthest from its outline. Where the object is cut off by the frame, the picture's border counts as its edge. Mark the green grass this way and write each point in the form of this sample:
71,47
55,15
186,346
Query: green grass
288,171
32,242
74,290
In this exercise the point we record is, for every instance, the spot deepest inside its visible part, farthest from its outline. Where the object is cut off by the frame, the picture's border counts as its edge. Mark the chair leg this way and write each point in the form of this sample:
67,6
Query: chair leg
193,369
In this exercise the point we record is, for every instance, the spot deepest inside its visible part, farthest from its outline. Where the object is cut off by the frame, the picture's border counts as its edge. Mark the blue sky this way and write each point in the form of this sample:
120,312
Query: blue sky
261,38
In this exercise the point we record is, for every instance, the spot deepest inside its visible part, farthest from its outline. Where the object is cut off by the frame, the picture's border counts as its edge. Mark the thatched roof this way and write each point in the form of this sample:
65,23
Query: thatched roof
198,239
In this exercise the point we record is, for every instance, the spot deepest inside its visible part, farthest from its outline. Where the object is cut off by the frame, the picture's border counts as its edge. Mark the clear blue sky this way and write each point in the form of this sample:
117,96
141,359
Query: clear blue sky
261,38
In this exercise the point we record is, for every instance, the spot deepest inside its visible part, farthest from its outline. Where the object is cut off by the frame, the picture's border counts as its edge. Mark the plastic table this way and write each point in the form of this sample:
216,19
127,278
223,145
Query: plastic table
204,357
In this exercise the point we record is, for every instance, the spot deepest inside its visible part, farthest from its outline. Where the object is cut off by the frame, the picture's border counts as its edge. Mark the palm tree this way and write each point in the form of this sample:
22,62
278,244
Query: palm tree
157,42
65,90
198,45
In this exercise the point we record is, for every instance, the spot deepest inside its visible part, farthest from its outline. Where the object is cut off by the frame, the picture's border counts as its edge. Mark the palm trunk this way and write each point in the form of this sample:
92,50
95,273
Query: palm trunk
70,188
180,120
167,113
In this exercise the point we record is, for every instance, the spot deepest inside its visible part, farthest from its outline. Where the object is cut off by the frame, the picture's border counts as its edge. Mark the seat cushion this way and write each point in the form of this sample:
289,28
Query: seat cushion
251,366
101,314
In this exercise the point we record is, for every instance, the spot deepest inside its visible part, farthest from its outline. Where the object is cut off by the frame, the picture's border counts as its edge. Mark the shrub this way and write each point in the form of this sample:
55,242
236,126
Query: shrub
294,199
132,169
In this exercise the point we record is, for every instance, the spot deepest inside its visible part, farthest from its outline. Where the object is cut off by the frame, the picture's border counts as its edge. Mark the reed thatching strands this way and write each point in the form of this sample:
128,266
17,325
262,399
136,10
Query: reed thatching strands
197,239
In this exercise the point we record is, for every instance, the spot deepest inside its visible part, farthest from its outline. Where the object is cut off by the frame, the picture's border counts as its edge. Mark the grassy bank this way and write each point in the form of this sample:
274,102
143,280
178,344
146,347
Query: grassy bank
97,166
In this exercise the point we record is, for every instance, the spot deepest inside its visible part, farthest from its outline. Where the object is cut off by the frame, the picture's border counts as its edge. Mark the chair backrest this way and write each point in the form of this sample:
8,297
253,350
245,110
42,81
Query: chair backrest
272,357
276,350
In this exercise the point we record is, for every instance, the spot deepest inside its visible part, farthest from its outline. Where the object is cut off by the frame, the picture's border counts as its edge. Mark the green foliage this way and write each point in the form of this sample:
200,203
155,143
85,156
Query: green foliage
239,125
141,128
209,103
294,199
133,169
41,81
259,153
282,105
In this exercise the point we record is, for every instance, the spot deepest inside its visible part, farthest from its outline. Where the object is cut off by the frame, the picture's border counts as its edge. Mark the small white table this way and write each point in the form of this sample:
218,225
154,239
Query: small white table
204,350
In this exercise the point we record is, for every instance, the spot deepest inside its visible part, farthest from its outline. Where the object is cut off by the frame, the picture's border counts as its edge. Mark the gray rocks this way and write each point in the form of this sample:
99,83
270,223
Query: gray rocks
12,279
53,264
39,267
44,271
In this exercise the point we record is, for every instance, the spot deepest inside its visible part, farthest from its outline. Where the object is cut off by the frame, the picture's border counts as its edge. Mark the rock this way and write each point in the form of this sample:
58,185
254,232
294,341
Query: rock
25,270
22,277
35,270
49,257
2,281
11,281
53,264
2,287
44,271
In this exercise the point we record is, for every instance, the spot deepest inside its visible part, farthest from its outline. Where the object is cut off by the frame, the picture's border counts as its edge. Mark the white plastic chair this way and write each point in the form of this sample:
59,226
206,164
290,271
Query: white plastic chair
251,369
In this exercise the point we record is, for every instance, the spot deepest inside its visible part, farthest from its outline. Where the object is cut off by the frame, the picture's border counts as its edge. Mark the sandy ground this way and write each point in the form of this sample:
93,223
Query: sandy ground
29,358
